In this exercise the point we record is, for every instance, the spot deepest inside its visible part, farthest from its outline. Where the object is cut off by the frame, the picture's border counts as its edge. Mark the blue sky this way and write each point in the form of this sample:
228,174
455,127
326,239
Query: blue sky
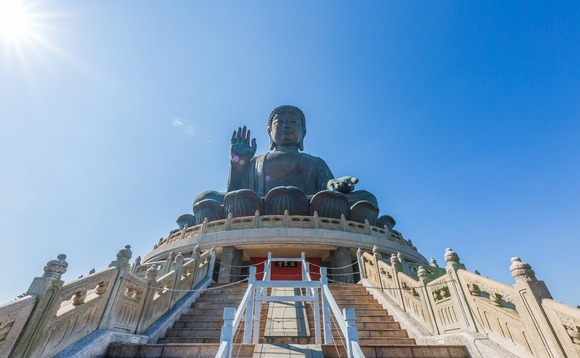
461,117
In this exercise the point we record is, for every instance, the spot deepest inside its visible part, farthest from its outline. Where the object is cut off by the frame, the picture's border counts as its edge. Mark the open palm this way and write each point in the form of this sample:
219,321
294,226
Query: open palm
241,149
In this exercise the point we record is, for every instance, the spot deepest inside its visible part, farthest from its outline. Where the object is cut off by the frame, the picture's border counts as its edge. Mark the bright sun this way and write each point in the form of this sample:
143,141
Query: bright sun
16,21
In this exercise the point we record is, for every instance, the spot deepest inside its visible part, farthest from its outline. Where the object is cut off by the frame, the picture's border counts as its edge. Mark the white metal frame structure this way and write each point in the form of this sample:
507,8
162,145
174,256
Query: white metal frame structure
257,293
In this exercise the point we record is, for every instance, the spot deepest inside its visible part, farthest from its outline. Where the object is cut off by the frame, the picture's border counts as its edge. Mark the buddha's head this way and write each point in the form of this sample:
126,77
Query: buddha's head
287,127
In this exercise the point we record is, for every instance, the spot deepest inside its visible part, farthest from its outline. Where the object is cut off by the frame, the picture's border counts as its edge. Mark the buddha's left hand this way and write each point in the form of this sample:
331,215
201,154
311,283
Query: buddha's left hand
344,184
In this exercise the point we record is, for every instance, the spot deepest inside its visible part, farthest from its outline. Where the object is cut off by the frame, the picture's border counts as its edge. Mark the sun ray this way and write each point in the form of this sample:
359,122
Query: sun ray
16,20
24,26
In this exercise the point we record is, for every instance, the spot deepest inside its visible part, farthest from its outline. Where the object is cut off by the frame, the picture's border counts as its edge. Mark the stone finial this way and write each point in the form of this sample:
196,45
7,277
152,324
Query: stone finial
422,273
395,263
522,271
125,254
179,259
123,257
196,252
434,262
376,253
171,255
151,274
55,268
451,256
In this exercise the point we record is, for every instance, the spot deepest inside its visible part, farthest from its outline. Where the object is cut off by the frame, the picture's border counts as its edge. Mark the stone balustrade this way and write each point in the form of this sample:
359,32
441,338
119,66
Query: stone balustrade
523,318
54,315
283,221
13,316
566,321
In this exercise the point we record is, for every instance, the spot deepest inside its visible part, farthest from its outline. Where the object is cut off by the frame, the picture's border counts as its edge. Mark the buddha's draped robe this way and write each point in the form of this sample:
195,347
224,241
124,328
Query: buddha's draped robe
305,171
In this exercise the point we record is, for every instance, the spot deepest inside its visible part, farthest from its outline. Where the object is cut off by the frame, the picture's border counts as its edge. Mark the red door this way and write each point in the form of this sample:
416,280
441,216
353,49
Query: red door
287,270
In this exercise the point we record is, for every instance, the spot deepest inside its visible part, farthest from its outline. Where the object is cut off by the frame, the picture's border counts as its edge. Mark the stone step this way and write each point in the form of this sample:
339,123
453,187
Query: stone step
207,312
378,325
214,305
364,333
386,341
219,299
371,312
365,319
195,333
398,351
204,350
200,324
351,300
288,350
358,306
185,340
288,340
199,340
197,324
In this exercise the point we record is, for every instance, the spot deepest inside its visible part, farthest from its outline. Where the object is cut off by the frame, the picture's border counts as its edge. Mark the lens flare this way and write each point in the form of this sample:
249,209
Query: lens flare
16,20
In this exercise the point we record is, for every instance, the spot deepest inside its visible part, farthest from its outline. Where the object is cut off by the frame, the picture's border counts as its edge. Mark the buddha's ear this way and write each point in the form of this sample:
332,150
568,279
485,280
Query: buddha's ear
301,142
272,143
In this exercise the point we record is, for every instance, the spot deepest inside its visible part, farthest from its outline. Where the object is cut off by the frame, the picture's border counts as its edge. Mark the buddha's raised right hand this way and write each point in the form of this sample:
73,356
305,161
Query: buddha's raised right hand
241,149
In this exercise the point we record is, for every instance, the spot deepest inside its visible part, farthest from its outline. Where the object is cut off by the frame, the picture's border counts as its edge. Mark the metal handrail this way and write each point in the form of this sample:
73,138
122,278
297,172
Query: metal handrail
345,319
257,293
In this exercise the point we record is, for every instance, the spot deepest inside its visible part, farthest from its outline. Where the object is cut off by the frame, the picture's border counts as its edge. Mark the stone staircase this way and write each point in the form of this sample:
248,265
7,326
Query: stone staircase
379,334
197,333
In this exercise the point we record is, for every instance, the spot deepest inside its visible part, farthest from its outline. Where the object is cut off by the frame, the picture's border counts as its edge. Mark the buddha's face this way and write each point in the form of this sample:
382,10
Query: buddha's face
286,129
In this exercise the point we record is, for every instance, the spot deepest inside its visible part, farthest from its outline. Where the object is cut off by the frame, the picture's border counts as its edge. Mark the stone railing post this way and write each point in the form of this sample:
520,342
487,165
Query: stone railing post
397,267
182,236
257,219
178,267
196,256
45,288
229,220
151,278
376,258
168,263
457,295
136,265
203,226
211,264
424,294
122,265
530,291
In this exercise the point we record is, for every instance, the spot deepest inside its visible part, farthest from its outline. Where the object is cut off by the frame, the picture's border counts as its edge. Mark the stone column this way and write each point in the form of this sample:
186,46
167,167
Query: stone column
122,264
425,299
341,265
397,267
457,294
543,340
231,257
45,288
